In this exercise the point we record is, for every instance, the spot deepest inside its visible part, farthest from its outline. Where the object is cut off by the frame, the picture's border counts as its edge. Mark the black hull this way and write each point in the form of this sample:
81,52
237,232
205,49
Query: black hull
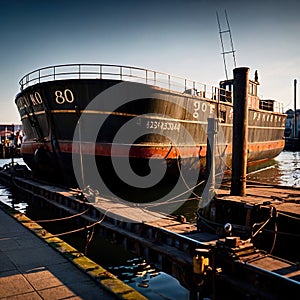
165,126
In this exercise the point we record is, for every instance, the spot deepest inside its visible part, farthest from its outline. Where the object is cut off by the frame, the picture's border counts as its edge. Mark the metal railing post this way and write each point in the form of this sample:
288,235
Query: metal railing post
146,76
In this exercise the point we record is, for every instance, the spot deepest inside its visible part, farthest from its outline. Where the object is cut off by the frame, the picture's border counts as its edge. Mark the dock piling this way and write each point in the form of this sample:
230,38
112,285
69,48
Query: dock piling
209,190
240,131
212,130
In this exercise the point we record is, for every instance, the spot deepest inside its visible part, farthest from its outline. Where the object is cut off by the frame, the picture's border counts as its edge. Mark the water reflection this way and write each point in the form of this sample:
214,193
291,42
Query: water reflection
284,170
152,283
7,198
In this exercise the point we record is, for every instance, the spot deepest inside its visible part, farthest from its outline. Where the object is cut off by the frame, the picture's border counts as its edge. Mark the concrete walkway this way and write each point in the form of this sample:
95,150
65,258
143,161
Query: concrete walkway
31,269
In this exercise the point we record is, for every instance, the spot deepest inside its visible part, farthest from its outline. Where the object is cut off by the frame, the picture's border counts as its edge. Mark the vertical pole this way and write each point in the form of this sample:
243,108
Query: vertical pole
5,143
240,131
212,124
3,150
212,130
295,109
13,148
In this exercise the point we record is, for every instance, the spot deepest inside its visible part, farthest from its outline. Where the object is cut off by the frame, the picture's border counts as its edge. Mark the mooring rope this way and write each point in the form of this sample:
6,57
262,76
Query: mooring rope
221,155
89,238
275,237
177,196
263,224
289,216
62,219
82,228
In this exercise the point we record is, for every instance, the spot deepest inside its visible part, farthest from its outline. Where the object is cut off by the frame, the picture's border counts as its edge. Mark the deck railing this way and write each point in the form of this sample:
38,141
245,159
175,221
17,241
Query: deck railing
125,73
134,74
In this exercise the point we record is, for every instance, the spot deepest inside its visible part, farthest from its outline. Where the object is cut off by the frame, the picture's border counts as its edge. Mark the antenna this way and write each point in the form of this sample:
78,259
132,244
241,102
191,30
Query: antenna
228,33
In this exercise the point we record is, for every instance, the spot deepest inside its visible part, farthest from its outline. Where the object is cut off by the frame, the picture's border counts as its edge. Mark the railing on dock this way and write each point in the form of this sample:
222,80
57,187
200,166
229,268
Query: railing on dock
123,73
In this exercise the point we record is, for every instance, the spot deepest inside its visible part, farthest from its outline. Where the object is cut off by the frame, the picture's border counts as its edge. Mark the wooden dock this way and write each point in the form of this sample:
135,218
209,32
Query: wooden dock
276,206
284,198
183,249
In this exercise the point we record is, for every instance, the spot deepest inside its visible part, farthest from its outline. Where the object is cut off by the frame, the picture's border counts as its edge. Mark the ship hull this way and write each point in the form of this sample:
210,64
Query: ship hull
162,127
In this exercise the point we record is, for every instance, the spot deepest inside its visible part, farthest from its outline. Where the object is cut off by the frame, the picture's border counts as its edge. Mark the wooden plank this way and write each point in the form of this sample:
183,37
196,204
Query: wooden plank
285,199
278,266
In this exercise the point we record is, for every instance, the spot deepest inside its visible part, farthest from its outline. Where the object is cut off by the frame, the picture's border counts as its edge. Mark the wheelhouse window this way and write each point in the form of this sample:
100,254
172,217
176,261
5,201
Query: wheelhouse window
252,89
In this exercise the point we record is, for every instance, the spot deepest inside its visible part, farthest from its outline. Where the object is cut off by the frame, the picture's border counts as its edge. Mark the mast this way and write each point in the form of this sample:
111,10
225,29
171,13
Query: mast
227,32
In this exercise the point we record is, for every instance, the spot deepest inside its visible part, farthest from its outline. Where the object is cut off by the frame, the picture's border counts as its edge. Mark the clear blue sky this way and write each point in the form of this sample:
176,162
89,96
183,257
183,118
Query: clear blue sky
176,37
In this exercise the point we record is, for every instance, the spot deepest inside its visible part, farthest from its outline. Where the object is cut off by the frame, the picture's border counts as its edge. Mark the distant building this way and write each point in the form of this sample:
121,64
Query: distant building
11,134
289,124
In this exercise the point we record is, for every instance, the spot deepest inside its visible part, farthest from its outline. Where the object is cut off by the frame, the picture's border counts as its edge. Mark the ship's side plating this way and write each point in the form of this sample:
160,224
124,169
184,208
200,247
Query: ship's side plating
51,110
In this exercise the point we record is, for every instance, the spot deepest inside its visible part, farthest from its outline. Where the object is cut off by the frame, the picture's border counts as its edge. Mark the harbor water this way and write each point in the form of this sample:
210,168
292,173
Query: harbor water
284,170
